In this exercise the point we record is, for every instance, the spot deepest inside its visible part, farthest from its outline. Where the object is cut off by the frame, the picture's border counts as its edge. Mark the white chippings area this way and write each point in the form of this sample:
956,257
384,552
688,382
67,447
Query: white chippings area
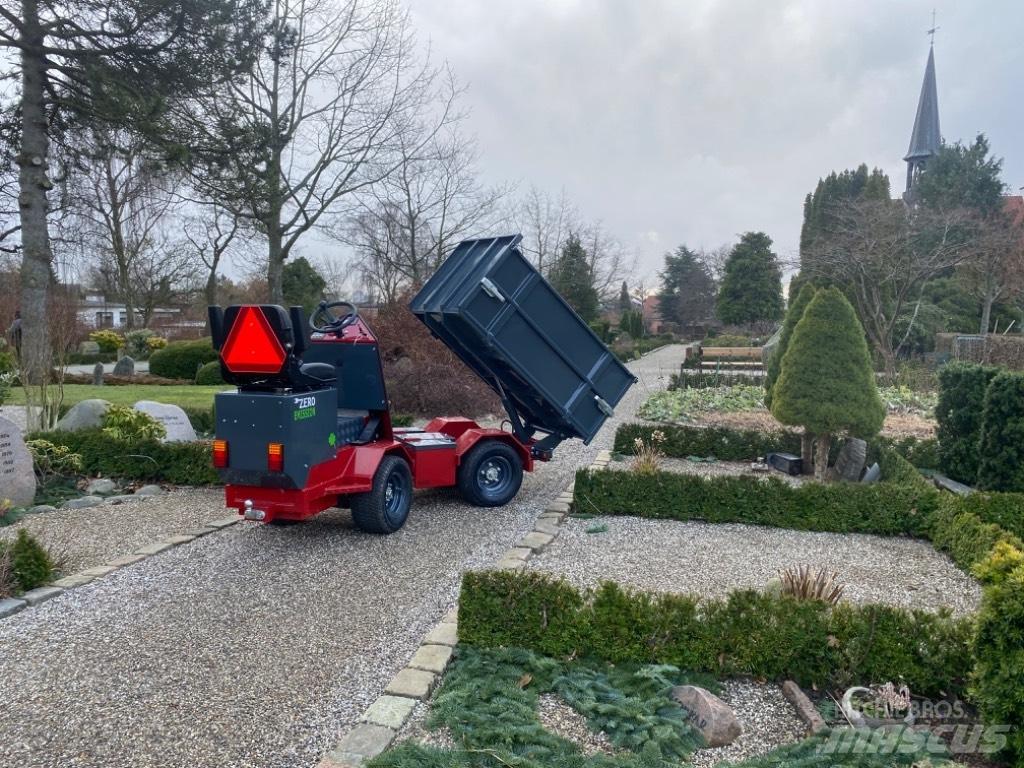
84,538
415,729
257,645
562,720
768,720
712,560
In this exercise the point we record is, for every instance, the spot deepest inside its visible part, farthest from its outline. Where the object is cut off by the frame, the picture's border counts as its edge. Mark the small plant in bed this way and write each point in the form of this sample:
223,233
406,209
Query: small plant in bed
57,469
682,405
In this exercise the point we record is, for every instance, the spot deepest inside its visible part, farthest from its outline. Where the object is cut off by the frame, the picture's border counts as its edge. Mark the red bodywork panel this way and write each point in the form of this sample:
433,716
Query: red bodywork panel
352,470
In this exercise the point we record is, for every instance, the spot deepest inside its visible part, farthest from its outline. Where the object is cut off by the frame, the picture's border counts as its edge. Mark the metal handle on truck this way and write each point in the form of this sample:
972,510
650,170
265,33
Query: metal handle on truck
491,289
603,406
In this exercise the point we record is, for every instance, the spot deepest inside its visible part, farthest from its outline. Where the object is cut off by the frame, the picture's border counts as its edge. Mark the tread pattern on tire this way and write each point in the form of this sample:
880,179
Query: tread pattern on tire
466,475
368,511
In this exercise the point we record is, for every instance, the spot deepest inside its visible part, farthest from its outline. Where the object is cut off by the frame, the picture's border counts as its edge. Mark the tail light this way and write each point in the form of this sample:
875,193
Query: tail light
220,453
275,457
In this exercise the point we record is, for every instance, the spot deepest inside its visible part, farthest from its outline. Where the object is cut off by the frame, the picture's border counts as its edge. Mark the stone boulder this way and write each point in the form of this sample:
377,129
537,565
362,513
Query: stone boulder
101,486
97,375
179,428
84,415
17,477
124,367
88,348
710,715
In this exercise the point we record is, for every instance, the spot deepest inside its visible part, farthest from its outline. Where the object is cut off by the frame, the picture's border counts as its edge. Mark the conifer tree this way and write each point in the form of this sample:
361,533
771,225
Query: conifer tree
827,384
572,278
793,315
751,290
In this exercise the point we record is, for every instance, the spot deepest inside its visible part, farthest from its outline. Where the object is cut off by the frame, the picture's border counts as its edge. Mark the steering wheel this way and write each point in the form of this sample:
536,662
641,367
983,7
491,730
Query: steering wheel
331,322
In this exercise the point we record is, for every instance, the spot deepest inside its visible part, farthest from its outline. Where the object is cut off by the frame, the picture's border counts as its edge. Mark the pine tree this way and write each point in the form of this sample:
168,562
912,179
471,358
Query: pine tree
687,295
793,315
625,300
751,290
572,277
302,284
827,384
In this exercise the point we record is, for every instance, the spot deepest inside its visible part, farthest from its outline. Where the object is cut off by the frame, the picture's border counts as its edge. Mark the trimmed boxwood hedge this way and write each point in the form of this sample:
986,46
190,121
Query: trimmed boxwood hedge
883,508
149,461
729,444
959,412
182,359
748,633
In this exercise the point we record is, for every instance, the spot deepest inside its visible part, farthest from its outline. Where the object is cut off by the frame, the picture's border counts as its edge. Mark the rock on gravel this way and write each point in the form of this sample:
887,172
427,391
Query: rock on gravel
712,560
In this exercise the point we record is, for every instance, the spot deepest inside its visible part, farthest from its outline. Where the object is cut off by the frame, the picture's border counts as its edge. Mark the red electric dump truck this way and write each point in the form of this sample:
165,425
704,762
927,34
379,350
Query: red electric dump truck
309,426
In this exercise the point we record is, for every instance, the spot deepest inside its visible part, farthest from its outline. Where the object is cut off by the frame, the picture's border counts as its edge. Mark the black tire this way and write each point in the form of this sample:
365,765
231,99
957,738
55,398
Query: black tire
385,508
490,474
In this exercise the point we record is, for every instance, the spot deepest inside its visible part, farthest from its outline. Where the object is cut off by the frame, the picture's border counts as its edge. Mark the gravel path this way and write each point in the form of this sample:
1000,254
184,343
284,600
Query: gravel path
711,560
84,538
254,646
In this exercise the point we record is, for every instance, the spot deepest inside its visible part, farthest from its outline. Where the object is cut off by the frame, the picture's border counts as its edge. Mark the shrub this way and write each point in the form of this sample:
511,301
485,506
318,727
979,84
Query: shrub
203,420
730,340
209,374
602,329
28,562
8,364
1003,509
156,342
108,340
49,459
965,537
632,322
793,315
723,443
177,463
422,375
708,379
182,359
827,384
958,413
136,343
1001,465
882,508
127,425
999,659
748,633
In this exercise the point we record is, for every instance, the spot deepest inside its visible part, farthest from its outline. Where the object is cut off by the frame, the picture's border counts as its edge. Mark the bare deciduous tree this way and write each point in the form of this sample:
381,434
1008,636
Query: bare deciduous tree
883,255
546,223
212,231
412,220
322,115
993,270
609,260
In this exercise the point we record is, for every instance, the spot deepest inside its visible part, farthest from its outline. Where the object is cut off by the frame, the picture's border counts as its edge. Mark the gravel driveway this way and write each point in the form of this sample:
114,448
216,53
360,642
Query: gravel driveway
254,646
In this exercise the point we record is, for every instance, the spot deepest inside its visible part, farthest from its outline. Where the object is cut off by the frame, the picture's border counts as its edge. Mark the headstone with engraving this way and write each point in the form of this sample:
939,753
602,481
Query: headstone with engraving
851,459
17,478
715,719
125,366
88,348
97,375
174,419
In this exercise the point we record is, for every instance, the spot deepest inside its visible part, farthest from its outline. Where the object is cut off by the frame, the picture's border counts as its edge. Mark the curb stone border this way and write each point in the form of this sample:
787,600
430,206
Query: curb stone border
13,605
384,718
805,709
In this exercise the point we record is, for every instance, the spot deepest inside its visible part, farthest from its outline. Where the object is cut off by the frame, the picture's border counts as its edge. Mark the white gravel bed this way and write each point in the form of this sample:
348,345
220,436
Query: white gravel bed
709,469
559,718
257,645
768,719
712,560
84,538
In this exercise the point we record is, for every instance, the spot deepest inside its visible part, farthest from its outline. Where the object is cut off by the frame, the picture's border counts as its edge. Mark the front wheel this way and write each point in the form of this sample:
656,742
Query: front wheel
385,508
490,474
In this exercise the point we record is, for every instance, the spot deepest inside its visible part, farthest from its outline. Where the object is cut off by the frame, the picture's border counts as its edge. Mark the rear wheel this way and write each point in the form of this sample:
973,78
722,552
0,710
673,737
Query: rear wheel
385,507
490,474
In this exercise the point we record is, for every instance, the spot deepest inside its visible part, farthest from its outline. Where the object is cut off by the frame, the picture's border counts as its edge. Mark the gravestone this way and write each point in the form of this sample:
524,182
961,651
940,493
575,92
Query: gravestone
710,715
124,367
179,428
17,478
88,348
97,375
851,459
84,415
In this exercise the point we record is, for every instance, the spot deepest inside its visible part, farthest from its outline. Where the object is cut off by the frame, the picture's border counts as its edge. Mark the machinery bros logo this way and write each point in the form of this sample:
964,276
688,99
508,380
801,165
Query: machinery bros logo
305,408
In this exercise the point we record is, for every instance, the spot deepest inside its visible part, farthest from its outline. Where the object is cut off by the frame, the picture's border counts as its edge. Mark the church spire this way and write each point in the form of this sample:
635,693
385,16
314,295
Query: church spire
925,138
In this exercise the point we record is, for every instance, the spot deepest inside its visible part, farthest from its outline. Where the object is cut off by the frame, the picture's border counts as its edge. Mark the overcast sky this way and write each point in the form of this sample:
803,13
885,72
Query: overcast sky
695,120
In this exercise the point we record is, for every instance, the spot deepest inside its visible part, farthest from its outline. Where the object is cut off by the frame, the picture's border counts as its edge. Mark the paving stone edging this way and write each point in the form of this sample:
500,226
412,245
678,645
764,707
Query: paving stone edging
804,707
383,719
12,605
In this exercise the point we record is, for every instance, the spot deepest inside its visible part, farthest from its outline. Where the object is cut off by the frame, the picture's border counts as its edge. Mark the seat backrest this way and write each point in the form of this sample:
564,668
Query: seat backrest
256,343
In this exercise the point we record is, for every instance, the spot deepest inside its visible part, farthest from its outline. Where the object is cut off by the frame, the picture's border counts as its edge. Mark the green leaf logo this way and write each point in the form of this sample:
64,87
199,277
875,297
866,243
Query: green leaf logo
332,439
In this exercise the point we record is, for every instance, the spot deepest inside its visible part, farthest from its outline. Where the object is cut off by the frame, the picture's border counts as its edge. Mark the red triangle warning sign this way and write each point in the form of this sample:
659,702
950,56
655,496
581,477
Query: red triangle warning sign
252,346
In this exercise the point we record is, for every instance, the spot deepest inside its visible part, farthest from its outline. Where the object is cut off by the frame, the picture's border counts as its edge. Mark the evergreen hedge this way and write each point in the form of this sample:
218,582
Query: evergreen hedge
749,633
182,359
149,461
1001,446
959,415
886,509
729,444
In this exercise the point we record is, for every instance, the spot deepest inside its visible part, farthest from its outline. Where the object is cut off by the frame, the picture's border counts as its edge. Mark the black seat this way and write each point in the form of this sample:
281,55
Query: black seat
324,372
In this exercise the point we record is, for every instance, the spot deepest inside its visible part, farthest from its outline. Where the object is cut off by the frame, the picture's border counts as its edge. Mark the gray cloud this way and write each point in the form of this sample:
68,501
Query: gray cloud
693,121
